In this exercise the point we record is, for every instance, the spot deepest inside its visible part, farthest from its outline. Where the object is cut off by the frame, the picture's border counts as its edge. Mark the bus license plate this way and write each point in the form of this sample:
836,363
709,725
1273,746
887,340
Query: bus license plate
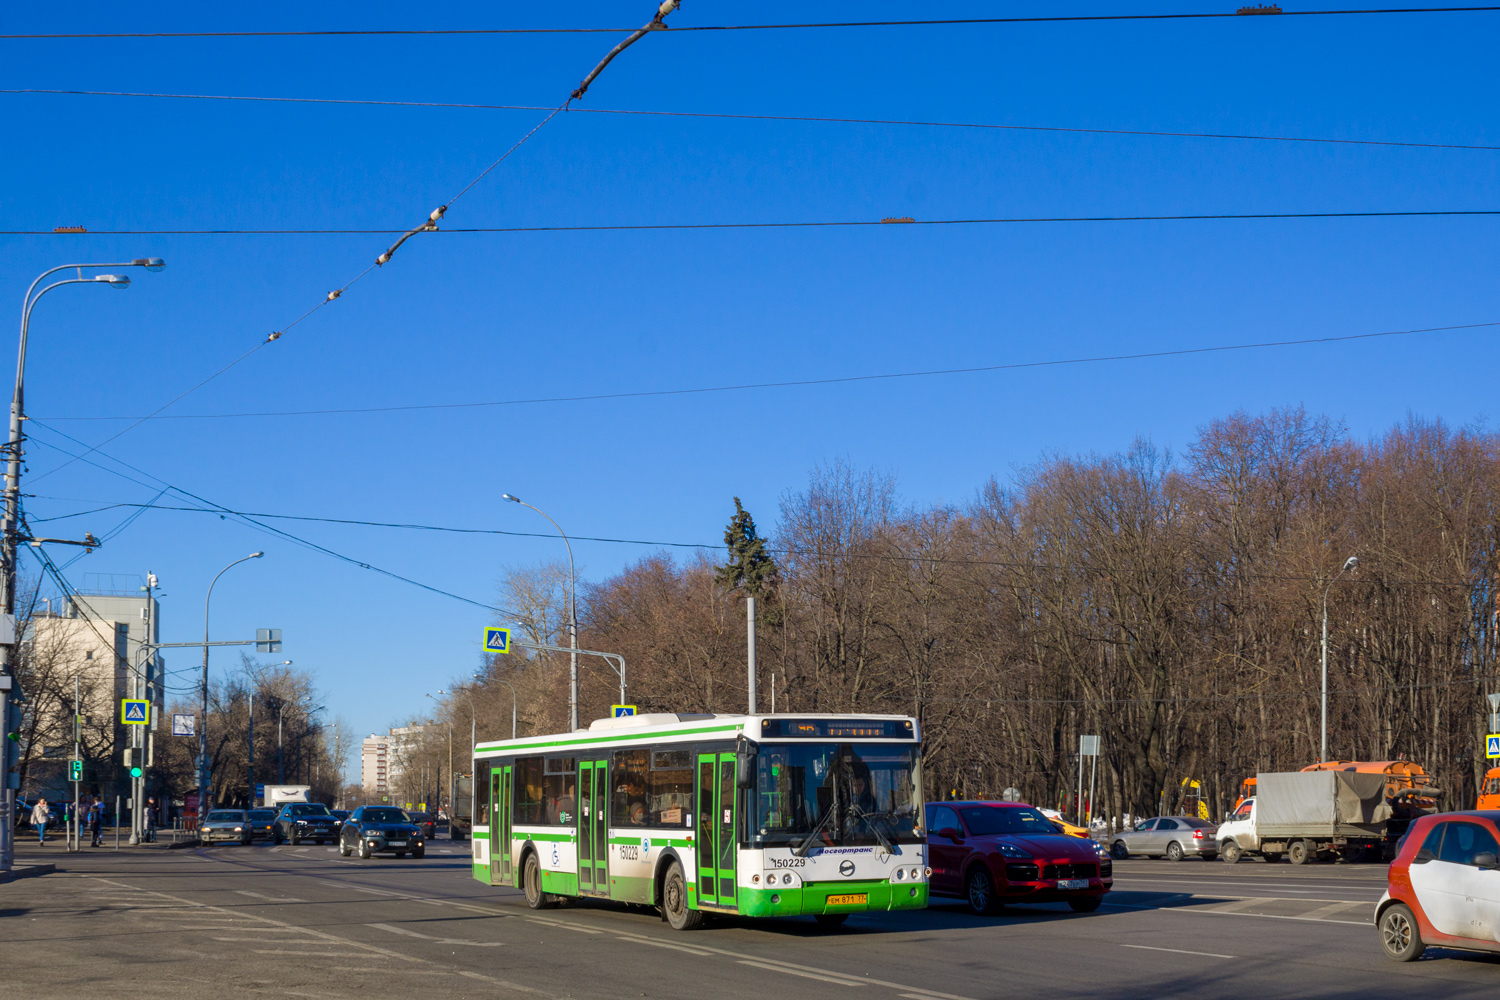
1072,883
850,899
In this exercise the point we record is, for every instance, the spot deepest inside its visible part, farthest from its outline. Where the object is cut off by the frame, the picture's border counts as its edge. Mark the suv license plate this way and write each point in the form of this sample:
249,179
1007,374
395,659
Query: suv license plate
849,899
1072,883
402,843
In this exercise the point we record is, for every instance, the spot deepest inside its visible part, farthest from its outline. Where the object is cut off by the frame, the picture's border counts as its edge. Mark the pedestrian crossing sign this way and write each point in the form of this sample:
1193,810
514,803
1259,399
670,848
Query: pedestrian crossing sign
1492,745
135,711
621,711
497,640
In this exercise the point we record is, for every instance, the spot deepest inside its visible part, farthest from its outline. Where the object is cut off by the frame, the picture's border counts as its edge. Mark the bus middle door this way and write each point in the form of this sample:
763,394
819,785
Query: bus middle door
501,801
717,798
593,827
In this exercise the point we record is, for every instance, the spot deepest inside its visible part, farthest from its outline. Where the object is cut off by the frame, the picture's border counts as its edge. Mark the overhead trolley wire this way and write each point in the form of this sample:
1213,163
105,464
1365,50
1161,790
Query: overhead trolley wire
430,225
1259,10
748,117
250,521
791,383
812,224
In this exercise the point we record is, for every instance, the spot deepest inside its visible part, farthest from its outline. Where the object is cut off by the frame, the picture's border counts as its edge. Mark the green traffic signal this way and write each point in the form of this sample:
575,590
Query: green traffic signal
135,772
75,770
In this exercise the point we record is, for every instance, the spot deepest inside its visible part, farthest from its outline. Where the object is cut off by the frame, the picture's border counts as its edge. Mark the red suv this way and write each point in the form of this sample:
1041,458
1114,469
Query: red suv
1444,886
993,853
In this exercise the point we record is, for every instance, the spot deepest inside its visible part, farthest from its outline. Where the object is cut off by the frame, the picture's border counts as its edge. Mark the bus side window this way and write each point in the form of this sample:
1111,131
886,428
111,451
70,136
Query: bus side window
482,793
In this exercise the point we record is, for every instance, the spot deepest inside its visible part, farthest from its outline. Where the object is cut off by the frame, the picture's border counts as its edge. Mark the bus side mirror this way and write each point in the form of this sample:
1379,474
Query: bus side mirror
744,769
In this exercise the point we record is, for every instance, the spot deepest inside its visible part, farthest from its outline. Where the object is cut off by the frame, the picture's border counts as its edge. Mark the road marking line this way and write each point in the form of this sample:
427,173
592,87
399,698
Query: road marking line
1178,951
310,954
805,975
632,939
1194,911
439,940
267,921
789,966
1244,904
273,899
1331,909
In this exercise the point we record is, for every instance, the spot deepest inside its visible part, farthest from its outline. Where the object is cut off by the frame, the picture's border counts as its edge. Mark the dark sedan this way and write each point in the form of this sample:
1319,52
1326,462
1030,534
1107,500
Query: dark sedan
299,821
424,821
993,853
376,829
262,824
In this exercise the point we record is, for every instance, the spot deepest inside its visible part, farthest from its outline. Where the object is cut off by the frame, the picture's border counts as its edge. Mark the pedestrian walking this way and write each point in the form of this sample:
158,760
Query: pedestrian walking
40,814
151,820
96,823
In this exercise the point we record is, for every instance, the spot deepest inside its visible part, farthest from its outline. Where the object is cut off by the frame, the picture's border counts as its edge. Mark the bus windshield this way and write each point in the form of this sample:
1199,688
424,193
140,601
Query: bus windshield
837,794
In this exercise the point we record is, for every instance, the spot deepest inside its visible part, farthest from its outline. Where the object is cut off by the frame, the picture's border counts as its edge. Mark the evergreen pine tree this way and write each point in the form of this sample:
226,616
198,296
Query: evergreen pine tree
750,567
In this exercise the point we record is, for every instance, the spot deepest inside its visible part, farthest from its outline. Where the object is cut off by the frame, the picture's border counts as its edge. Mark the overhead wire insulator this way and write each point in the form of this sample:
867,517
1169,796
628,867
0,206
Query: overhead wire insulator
655,24
430,226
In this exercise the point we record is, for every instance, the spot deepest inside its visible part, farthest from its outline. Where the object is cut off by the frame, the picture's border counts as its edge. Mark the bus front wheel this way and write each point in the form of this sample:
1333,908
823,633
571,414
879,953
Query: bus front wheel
674,904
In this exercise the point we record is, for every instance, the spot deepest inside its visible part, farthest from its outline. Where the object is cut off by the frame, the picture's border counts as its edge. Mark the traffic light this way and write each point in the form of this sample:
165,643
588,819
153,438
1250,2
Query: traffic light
133,761
75,770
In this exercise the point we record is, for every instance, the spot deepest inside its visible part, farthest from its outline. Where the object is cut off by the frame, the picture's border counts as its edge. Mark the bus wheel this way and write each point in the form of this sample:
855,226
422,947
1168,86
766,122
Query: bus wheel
674,904
531,881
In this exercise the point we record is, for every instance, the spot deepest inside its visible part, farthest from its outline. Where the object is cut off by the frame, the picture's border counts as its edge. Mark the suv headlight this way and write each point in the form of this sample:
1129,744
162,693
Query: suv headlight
1012,851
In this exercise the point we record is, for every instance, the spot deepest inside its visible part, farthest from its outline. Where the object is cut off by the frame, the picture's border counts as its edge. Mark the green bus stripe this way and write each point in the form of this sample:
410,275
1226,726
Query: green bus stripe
622,737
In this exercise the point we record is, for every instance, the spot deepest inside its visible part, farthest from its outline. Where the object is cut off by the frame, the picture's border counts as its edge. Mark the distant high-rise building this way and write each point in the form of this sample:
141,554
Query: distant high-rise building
374,767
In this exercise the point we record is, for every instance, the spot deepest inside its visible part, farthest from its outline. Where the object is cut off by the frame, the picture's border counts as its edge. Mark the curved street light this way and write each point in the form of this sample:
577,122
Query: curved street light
203,731
12,496
572,617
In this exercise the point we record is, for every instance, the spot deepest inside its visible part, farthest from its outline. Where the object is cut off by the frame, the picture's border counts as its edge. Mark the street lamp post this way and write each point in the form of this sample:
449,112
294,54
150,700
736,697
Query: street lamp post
203,728
12,514
1349,564
572,614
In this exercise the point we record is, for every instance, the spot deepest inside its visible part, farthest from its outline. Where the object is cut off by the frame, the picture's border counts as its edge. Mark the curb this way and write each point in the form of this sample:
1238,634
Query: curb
27,871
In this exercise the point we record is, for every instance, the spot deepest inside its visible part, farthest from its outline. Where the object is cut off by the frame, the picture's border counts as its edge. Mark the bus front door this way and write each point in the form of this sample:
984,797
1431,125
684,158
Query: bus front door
501,801
593,827
716,829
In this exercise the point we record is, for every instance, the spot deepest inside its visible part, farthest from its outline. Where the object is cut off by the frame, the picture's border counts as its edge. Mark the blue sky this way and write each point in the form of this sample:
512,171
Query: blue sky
486,317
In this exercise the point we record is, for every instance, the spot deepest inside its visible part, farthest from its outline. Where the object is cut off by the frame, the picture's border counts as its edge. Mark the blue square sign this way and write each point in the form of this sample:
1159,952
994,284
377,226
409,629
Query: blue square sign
497,640
1492,745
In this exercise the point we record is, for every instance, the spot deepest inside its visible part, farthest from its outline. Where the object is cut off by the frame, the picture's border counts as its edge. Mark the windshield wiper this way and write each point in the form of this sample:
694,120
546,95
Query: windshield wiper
856,812
801,849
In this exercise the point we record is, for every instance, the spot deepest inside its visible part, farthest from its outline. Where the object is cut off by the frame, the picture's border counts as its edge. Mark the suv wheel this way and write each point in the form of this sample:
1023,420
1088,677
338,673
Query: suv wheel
364,849
979,889
343,849
674,906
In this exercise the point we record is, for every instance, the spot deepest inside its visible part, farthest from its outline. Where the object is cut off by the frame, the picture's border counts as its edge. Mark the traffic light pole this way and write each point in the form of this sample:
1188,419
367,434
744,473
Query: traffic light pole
77,755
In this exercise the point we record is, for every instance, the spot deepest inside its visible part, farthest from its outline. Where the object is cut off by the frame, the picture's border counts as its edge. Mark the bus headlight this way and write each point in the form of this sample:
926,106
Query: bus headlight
900,874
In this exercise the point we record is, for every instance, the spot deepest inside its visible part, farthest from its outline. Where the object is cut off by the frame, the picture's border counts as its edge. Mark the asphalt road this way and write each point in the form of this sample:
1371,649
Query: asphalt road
302,922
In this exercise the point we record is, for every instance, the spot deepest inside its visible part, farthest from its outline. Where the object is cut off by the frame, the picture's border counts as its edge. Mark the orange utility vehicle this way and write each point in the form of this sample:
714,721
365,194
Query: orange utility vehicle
1489,792
1408,789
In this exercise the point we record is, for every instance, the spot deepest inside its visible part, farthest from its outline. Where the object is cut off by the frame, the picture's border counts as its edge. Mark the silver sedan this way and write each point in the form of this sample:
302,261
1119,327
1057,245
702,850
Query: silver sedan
1170,837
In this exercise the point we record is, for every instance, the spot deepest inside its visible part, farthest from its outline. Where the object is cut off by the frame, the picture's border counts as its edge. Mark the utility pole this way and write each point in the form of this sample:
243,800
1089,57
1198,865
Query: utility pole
77,756
203,727
250,788
750,648
572,619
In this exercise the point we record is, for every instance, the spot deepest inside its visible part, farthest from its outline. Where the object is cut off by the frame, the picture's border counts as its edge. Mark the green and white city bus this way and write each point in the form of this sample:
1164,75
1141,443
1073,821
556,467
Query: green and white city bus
756,815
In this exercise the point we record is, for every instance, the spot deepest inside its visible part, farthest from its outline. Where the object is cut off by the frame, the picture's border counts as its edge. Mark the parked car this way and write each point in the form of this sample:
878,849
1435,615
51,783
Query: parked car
1443,888
262,823
225,825
1170,837
299,821
993,853
376,829
424,821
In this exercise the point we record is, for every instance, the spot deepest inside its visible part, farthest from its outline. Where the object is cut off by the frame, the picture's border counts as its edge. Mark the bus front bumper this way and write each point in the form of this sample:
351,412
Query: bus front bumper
832,897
